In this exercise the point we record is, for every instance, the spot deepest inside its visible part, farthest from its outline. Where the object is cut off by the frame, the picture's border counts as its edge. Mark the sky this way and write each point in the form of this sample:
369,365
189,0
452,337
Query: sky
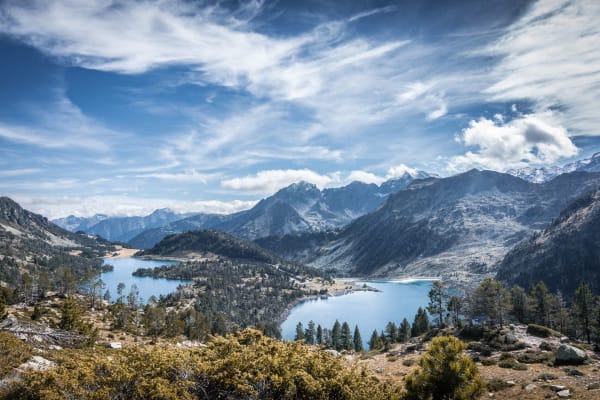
122,107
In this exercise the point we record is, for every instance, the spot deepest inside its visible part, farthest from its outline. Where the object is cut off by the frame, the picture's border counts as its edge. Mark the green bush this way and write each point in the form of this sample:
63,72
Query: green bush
13,352
444,373
541,331
247,365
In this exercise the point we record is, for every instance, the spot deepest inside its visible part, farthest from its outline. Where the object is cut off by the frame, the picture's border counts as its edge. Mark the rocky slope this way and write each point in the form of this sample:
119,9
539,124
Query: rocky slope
29,242
457,227
562,255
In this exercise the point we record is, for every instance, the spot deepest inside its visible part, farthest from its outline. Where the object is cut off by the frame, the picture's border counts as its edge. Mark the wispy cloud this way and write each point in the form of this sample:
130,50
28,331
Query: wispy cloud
551,57
372,12
60,125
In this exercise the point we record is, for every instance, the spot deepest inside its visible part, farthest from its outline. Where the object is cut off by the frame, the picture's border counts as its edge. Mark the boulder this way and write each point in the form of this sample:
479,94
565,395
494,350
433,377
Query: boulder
564,394
114,345
569,355
510,338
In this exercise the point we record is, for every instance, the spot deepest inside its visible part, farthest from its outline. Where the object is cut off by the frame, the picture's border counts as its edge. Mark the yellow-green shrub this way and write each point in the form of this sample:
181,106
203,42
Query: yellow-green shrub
444,373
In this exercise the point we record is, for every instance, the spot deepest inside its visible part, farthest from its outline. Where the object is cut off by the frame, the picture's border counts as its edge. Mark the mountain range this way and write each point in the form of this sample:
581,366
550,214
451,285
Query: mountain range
545,174
300,207
457,227
119,229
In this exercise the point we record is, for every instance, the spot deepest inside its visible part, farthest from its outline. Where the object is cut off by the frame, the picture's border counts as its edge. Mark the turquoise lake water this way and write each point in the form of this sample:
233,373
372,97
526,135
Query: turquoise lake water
368,310
124,267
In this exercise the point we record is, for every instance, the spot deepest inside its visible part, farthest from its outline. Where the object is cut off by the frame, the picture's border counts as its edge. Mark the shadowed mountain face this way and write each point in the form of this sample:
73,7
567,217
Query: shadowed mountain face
562,255
29,242
300,207
455,227
210,242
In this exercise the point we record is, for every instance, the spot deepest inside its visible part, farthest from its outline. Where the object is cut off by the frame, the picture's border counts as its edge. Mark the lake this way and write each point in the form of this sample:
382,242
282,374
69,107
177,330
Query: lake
368,310
147,286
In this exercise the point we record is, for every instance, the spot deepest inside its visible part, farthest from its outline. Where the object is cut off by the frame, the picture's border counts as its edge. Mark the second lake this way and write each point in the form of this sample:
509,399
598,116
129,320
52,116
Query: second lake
368,310
147,286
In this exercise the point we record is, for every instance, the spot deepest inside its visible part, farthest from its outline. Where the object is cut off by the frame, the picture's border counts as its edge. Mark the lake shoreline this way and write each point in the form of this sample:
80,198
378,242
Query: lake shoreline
397,298
335,293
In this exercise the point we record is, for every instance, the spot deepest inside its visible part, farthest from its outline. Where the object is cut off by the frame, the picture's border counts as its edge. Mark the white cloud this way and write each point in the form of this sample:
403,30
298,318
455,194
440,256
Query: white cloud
269,181
551,56
60,125
375,11
58,207
366,177
191,176
536,139
135,37
401,170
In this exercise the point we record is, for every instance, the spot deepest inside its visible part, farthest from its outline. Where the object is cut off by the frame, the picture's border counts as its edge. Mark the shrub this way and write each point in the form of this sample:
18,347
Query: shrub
445,373
13,352
247,365
541,331
534,358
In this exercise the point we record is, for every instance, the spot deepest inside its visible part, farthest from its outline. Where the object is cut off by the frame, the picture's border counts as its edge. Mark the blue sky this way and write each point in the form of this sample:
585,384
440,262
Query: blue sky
123,107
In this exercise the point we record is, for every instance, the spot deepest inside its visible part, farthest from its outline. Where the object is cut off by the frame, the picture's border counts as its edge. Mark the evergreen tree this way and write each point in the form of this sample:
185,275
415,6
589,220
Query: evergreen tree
421,323
583,305
541,303
437,299
336,333
358,345
520,303
120,290
346,342
219,326
309,333
299,332
404,332
70,319
106,296
491,301
445,373
391,332
375,342
319,337
454,306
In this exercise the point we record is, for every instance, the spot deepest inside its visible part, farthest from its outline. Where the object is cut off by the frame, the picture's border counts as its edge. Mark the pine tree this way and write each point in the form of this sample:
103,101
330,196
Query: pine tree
70,319
309,333
299,332
454,307
391,332
421,323
358,345
437,299
319,335
375,342
583,305
520,303
541,303
445,373
336,333
404,331
346,342
491,301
